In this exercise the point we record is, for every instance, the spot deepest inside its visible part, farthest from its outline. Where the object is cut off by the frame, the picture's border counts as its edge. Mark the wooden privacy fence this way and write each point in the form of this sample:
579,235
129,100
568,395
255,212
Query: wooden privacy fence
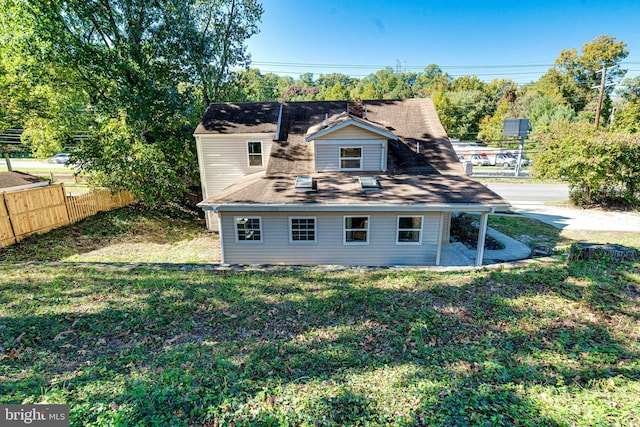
38,210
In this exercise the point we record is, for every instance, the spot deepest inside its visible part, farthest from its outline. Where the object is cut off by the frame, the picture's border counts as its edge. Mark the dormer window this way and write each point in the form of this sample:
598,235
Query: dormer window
350,158
254,153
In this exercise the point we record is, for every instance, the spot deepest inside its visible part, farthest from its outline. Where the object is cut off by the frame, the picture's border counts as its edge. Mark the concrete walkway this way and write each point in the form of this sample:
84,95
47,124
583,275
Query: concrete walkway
579,219
457,254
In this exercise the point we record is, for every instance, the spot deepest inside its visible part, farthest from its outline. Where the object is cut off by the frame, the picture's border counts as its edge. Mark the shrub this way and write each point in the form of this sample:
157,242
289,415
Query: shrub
464,229
603,168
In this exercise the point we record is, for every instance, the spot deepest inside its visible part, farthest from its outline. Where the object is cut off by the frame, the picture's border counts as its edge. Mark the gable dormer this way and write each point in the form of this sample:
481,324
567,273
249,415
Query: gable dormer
349,142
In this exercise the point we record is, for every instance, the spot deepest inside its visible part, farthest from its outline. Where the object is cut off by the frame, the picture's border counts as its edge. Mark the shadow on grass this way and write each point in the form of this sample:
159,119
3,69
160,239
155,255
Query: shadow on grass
132,224
336,348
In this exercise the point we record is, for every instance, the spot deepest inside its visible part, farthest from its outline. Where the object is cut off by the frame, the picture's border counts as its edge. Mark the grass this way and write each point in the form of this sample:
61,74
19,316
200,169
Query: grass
123,235
38,168
539,235
556,345
553,344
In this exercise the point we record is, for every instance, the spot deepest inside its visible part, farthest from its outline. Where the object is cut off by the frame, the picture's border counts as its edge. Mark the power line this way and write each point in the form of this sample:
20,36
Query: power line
408,67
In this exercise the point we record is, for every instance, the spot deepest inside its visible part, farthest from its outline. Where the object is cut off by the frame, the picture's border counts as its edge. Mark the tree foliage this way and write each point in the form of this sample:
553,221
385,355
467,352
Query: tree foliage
601,167
136,75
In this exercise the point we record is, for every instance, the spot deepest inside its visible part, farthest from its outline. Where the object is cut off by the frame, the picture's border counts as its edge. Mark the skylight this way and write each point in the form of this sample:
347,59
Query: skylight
369,183
304,183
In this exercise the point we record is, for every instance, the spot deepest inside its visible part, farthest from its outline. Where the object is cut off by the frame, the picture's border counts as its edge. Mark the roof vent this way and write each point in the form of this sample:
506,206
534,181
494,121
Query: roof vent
355,108
369,183
305,183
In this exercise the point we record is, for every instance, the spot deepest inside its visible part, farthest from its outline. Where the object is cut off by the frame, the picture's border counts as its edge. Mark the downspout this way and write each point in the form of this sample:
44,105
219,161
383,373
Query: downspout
439,250
383,159
482,235
279,124
219,215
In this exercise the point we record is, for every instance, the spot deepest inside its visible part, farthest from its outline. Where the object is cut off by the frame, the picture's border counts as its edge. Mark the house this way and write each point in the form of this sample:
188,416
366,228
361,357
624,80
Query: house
16,181
333,182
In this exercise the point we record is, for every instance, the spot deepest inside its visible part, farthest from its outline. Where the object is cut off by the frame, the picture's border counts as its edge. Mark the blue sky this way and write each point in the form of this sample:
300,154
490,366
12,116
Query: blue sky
512,39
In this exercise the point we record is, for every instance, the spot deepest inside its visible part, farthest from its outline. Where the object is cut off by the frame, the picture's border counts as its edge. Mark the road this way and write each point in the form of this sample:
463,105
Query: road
531,192
530,199
16,164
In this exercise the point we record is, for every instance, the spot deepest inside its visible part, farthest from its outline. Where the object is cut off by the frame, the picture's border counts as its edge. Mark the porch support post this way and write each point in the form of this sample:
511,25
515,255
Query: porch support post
482,235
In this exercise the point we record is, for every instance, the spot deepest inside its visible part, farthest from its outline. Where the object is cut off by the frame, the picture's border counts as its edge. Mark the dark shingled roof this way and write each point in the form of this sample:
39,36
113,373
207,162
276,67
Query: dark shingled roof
243,117
343,188
434,176
13,180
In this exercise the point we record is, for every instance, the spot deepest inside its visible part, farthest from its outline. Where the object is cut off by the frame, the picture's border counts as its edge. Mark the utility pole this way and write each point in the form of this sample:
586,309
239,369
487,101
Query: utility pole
600,94
601,91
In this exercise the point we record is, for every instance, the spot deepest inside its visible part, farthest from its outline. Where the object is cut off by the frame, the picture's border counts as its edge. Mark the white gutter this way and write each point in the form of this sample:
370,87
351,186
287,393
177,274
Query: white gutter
310,207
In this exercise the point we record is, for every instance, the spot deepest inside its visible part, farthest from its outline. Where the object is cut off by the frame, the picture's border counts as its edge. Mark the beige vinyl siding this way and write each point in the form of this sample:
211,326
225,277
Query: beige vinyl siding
351,132
223,160
327,148
328,156
382,249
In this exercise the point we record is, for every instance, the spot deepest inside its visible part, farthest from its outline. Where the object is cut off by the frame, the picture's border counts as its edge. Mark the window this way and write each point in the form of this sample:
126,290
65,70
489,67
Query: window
409,230
248,229
302,229
254,151
350,158
356,230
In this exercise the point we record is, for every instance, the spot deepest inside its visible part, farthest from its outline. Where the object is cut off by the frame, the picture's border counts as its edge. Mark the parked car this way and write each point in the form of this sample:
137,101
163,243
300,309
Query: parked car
525,162
461,157
60,158
478,160
505,160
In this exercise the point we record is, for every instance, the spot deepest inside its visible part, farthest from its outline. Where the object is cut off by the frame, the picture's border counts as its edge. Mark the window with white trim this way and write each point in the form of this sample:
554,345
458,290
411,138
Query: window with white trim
409,230
350,158
254,153
356,230
302,229
248,229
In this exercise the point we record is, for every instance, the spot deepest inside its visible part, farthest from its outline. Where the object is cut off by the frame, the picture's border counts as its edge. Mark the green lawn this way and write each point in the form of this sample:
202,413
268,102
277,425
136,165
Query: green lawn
554,344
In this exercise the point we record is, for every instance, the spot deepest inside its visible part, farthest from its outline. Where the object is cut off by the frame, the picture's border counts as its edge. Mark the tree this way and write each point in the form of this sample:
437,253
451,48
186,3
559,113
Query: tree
431,80
461,112
32,97
145,70
571,80
628,118
630,89
365,90
253,86
335,86
491,128
601,167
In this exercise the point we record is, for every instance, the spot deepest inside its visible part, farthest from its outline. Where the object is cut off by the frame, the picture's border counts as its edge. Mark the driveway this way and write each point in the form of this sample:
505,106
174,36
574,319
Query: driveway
532,200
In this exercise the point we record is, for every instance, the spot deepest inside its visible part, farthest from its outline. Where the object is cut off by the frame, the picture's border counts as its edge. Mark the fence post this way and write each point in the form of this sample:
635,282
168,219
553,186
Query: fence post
6,209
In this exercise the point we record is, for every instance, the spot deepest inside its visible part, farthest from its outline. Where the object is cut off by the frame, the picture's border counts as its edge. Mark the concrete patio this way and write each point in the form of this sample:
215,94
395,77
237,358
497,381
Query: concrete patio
457,254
